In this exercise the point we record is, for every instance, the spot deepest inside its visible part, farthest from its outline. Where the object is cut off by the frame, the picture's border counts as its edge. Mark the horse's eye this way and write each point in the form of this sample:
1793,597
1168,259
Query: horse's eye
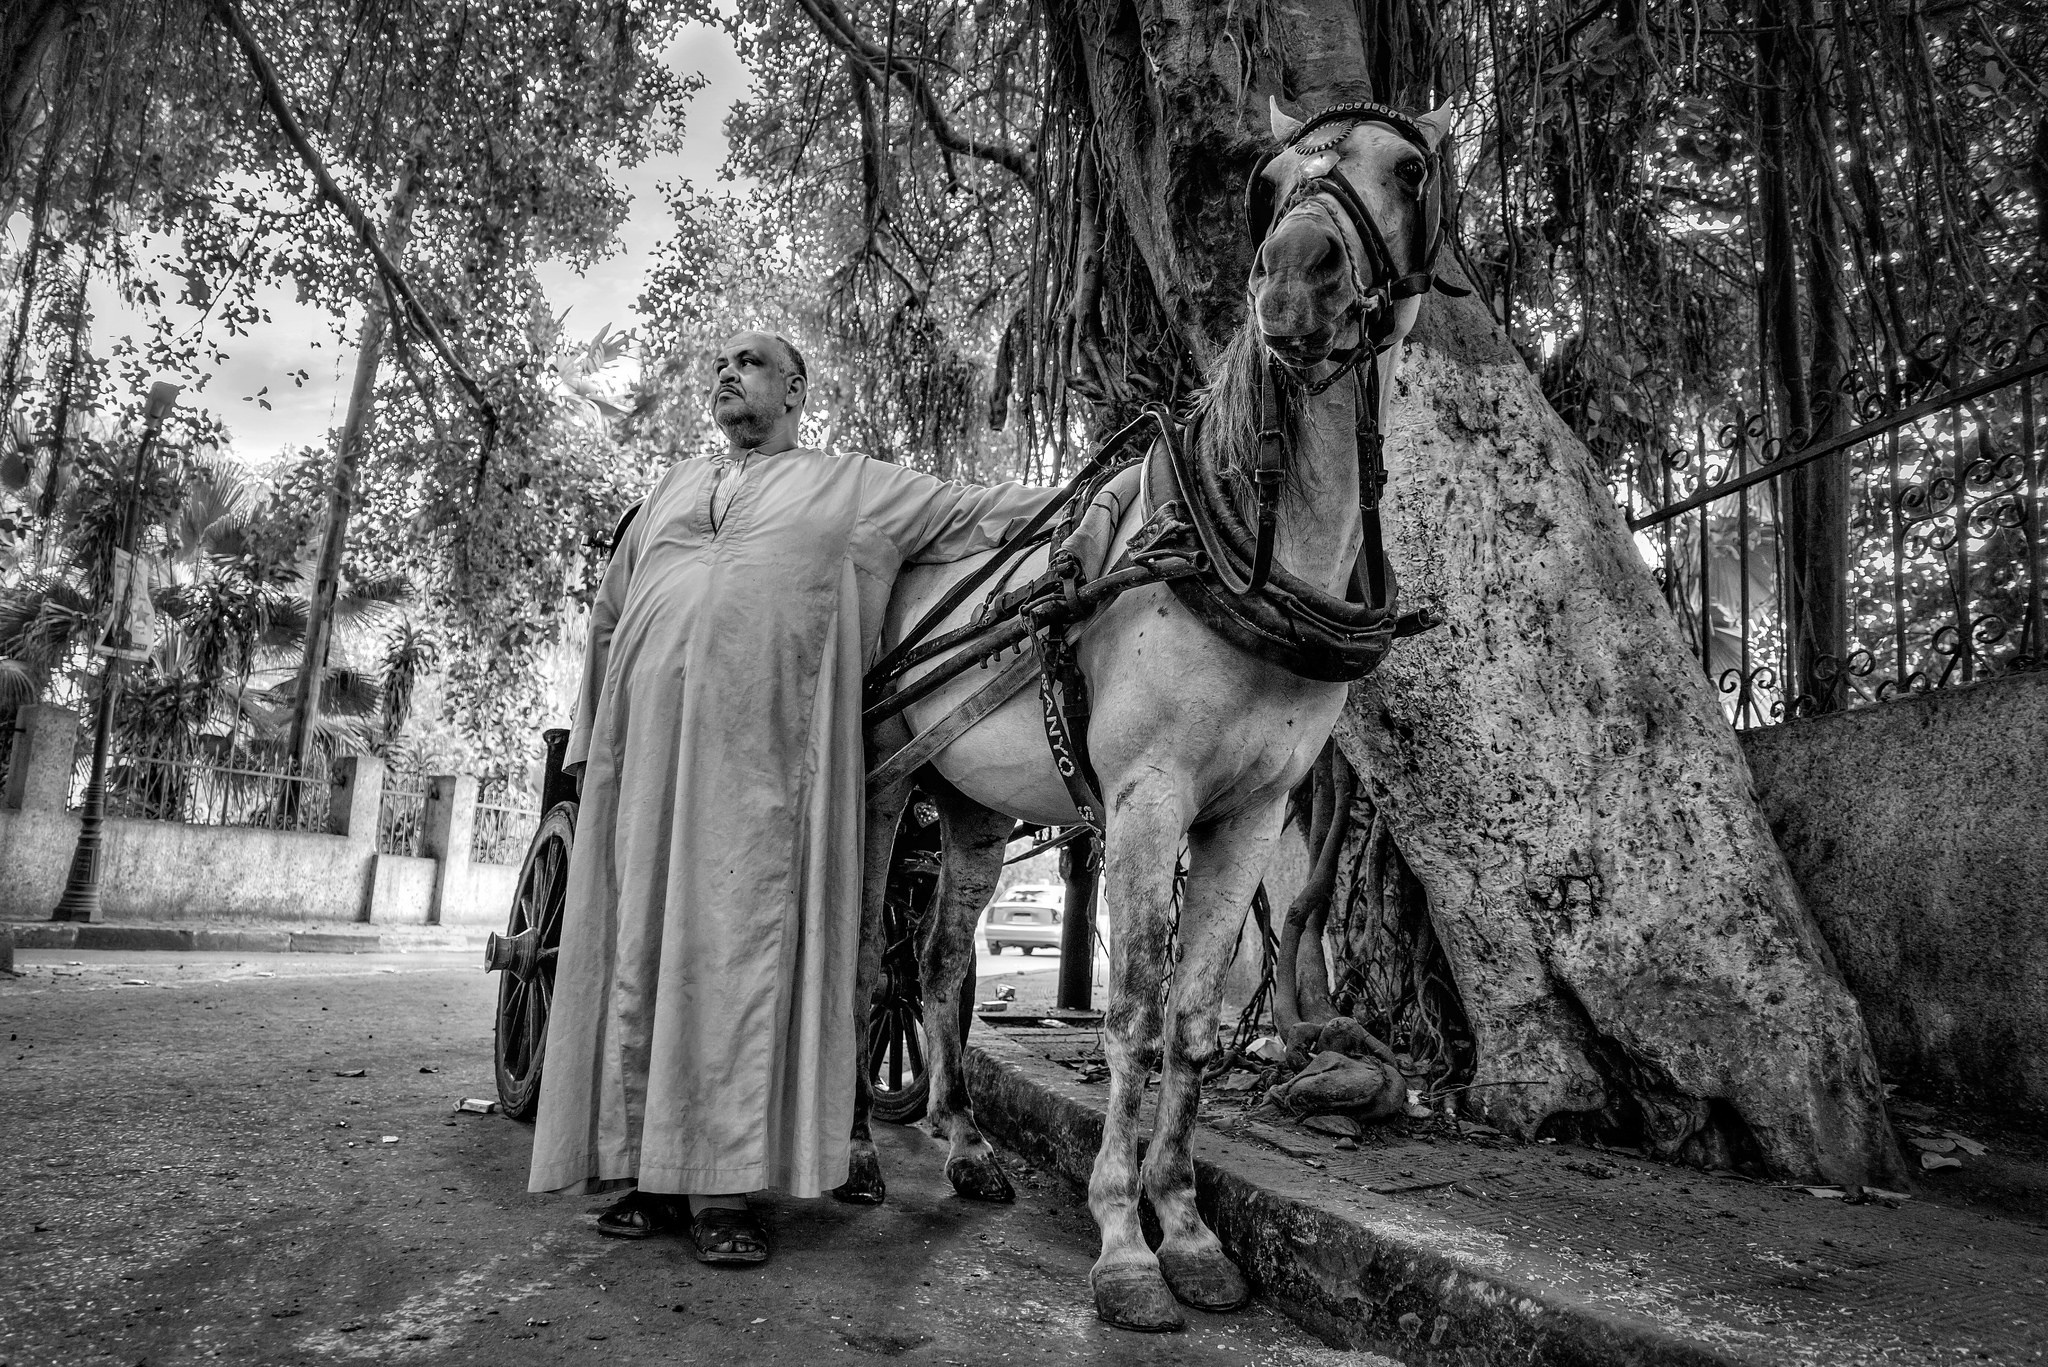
1411,170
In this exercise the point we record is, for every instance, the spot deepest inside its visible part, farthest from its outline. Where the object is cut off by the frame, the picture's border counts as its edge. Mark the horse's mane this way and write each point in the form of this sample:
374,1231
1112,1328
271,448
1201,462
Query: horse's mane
1228,413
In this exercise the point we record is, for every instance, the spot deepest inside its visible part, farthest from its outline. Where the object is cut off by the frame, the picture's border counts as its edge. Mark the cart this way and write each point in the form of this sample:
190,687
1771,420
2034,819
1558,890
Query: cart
526,953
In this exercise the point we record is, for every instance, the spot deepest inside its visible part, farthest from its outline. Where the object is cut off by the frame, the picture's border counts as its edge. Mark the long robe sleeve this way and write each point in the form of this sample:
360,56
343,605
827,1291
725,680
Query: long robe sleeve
932,521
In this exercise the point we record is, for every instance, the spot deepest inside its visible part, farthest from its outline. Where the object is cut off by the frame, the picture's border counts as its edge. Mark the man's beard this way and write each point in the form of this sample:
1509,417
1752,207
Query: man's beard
749,426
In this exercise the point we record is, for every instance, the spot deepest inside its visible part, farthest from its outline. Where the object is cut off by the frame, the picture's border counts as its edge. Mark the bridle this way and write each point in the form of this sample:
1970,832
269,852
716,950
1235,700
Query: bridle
1375,300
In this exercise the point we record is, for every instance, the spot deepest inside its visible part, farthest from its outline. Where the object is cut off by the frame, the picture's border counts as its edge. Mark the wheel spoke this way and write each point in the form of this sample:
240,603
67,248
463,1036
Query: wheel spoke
537,1003
511,1023
896,1056
913,1040
557,892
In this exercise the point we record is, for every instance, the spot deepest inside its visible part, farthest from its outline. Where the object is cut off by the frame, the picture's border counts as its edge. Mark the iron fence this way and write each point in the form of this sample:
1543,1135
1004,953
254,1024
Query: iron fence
1944,574
402,813
505,823
199,792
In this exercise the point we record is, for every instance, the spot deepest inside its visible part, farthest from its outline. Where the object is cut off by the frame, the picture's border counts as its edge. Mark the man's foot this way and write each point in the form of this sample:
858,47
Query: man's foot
728,1236
641,1215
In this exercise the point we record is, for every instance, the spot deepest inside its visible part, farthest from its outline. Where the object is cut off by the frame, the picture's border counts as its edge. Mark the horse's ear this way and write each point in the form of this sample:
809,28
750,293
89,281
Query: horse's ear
1436,124
1284,127
1259,196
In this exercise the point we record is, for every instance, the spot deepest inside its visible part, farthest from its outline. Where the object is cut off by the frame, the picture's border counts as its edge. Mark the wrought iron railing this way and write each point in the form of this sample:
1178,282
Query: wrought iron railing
505,823
402,813
1944,565
200,792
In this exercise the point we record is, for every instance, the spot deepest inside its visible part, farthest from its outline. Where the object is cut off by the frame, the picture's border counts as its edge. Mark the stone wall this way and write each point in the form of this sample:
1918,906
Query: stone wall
169,871
1918,830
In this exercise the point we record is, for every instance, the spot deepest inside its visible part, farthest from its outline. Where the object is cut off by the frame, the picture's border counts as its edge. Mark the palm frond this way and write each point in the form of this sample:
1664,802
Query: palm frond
19,685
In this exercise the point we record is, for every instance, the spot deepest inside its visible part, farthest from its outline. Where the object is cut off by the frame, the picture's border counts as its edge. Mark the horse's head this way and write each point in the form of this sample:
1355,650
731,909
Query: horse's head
1344,216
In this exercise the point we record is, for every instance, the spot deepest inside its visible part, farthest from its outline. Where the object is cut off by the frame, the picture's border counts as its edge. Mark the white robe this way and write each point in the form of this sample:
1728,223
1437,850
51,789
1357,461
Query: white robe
701,1037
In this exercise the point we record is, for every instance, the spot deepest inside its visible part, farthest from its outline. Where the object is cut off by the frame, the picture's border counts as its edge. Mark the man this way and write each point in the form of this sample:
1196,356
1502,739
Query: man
701,1039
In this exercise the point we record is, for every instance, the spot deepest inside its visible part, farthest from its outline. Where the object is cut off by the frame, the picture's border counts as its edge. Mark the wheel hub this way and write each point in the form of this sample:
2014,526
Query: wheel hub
518,954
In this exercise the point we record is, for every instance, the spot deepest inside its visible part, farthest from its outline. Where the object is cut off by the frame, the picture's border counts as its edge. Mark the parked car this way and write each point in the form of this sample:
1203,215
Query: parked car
1027,916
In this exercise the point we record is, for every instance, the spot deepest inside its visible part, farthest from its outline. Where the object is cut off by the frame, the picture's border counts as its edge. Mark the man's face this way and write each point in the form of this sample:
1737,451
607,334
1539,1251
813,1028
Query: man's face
752,386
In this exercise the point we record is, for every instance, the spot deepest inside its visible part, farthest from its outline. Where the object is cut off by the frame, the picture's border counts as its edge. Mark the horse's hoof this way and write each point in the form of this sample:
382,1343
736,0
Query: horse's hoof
1135,1298
863,1185
980,1179
1204,1279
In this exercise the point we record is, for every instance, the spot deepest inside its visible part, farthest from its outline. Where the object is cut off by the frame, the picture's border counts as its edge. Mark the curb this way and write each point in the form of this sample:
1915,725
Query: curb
1372,1276
74,935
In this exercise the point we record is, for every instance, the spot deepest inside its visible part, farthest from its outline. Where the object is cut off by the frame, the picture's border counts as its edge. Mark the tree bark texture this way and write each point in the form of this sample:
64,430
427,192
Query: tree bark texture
1177,92
1557,772
341,486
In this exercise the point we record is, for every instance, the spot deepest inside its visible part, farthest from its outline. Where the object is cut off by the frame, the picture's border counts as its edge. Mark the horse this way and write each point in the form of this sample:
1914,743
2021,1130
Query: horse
1196,741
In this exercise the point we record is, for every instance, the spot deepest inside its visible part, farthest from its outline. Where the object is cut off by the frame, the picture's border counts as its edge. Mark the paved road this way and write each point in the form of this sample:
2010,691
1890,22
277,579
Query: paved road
191,1182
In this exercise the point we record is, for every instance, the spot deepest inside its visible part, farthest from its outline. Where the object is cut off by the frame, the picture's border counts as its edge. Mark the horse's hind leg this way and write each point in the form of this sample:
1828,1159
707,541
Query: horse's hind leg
1145,826
975,838
864,1185
1225,862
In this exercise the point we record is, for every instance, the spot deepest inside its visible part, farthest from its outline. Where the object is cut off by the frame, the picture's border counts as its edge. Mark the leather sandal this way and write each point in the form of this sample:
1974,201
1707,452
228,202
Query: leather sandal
640,1215
728,1236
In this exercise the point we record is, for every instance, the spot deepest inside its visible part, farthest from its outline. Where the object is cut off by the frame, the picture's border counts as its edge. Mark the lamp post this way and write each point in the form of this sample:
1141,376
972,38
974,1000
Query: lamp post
81,899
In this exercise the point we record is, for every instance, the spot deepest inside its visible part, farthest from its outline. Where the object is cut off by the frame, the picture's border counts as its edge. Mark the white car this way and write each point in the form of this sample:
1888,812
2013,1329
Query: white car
1027,916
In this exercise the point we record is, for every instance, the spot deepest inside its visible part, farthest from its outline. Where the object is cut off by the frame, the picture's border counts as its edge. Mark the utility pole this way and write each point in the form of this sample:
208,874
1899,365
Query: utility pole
1080,869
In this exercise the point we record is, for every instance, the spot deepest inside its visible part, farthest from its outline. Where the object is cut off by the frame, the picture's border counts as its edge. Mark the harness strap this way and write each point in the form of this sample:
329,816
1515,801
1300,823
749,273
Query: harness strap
1271,468
1372,481
1063,699
898,659
926,745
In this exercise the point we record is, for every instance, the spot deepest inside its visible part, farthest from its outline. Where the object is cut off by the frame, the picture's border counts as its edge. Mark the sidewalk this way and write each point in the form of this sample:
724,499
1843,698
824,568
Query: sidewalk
242,936
1474,1250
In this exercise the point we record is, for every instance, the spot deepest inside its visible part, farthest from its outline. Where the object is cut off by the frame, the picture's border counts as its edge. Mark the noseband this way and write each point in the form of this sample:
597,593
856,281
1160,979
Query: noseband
1373,307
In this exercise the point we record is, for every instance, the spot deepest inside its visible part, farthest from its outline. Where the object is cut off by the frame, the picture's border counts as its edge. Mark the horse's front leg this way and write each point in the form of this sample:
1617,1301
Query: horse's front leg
864,1185
1225,862
1145,824
975,838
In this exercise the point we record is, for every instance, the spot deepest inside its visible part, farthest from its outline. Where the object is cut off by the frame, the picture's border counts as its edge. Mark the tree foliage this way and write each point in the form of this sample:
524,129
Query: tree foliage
941,166
135,150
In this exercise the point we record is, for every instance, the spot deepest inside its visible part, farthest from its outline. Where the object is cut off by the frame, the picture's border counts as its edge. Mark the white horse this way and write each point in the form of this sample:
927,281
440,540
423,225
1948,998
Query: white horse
1194,740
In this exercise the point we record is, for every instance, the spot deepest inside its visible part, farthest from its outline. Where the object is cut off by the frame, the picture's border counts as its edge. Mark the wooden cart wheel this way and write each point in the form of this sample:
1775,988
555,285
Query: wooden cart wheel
525,954
899,1084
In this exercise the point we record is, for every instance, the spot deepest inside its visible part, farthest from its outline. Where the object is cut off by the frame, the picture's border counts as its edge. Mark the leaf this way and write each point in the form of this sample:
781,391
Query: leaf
1934,1162
1966,1144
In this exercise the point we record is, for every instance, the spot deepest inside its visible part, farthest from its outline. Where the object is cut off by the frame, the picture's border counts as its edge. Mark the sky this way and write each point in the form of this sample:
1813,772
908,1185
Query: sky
299,337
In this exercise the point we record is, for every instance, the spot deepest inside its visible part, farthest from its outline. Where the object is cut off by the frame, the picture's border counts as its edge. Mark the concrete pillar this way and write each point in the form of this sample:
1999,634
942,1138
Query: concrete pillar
358,795
450,828
39,767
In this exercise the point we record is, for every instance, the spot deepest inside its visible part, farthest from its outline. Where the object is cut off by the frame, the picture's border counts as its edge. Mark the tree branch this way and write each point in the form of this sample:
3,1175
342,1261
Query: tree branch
387,270
834,26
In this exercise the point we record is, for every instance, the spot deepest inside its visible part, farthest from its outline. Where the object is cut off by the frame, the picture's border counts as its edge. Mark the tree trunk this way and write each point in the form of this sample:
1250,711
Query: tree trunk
341,486
1557,772
1799,162
1553,766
